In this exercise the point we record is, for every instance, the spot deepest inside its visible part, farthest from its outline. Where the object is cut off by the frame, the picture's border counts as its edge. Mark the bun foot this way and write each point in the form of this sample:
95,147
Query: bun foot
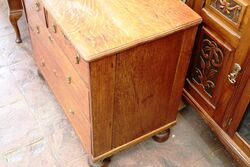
103,163
162,136
40,74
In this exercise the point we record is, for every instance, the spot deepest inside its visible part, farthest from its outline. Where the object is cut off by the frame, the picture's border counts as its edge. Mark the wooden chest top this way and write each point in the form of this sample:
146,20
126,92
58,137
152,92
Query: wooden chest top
98,28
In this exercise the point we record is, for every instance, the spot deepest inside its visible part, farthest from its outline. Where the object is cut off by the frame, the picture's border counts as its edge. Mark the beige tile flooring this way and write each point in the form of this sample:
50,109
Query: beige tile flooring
34,132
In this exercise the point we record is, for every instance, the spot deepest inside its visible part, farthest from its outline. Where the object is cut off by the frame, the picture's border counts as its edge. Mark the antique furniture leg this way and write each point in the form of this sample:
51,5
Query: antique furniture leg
162,136
103,163
14,17
15,8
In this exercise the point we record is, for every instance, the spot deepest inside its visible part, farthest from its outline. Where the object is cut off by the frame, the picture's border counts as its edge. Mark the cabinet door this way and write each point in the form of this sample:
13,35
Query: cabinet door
239,124
240,118
207,80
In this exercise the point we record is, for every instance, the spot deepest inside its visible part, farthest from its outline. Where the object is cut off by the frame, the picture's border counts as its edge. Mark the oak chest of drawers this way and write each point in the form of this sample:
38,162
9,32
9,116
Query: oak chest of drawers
117,68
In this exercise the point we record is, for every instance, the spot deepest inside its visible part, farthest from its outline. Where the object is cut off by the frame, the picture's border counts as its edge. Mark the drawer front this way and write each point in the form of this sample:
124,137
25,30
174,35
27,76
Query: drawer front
69,76
35,8
78,63
53,75
230,11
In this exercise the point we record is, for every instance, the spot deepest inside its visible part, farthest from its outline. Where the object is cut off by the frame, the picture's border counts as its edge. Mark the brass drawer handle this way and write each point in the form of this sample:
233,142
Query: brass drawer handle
234,74
71,112
50,38
43,63
37,6
69,79
37,29
54,28
78,58
55,73
65,37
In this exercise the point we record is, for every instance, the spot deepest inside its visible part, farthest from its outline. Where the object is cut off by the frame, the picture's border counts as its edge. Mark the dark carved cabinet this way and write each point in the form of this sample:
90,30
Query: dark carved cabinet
210,62
217,84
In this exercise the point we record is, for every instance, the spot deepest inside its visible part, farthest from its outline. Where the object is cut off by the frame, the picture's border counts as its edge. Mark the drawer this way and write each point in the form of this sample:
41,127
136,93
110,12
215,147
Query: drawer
35,8
78,63
229,11
67,73
38,28
53,75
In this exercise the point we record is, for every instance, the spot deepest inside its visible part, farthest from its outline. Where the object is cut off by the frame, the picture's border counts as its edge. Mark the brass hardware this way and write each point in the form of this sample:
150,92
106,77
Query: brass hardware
37,29
71,111
50,38
43,63
54,28
69,78
55,73
37,6
233,75
65,36
78,58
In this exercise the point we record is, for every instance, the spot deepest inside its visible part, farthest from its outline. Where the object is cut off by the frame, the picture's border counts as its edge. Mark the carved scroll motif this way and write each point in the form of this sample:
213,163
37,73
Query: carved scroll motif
208,66
229,8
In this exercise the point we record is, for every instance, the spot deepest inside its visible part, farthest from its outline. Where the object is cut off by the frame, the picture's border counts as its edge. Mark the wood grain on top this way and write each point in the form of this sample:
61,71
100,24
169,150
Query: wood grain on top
98,28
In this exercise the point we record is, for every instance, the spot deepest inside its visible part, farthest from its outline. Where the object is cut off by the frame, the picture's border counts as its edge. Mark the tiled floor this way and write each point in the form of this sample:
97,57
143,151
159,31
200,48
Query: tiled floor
35,133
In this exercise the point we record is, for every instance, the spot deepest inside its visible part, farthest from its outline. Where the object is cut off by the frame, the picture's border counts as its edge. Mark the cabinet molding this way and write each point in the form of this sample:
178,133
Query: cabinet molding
230,10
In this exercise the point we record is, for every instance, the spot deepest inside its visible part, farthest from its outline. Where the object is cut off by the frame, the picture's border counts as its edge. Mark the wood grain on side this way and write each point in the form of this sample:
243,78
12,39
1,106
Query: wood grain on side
102,94
144,78
180,72
133,142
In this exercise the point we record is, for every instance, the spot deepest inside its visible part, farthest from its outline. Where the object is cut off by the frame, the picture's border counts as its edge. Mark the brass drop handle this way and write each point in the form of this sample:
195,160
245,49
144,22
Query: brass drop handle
233,75
55,73
37,29
43,63
37,6
50,38
72,111
69,79
65,37
78,58
54,28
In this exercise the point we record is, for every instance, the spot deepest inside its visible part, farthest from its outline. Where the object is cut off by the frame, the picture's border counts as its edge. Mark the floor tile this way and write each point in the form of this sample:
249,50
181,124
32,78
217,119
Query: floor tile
24,72
218,158
8,89
36,154
17,127
133,157
63,140
81,162
43,104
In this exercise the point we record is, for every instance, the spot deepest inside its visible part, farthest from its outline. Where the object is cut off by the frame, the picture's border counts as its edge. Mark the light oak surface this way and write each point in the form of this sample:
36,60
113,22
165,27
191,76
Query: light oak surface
117,100
98,28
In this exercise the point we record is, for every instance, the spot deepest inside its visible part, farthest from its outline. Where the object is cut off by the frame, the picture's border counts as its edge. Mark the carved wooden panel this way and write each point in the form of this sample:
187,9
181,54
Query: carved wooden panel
211,56
232,10
210,63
